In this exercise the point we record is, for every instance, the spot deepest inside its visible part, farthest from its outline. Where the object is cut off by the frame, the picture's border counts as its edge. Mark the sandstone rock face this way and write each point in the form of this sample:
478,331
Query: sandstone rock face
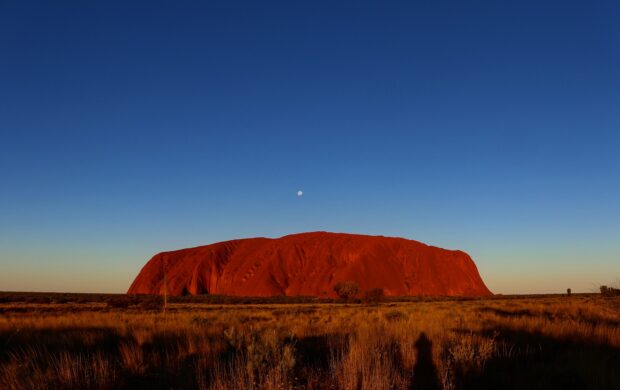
310,264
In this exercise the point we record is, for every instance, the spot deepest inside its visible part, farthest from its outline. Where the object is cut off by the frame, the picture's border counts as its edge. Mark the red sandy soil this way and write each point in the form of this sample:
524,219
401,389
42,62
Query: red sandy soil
310,264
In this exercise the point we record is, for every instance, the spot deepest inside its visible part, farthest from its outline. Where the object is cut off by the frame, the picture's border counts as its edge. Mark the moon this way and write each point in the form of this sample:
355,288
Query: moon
300,193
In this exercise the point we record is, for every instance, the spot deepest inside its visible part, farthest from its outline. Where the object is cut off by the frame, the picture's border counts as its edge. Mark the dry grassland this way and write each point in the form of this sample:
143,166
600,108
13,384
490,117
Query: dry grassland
517,343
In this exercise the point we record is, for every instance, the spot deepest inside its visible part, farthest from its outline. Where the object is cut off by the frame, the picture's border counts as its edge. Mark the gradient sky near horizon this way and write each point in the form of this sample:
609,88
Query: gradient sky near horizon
129,128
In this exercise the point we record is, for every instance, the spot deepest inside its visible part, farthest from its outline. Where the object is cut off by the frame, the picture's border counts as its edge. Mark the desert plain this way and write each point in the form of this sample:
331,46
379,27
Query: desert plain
94,341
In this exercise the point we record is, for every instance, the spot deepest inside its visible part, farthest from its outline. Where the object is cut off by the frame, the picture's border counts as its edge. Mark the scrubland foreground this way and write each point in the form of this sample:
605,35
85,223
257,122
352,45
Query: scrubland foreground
498,343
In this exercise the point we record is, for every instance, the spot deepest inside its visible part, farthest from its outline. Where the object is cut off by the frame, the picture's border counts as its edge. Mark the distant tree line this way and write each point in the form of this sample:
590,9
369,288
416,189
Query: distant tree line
350,289
610,291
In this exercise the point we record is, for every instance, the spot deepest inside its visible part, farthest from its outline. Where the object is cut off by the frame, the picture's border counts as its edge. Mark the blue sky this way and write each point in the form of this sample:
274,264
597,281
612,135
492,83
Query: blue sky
130,128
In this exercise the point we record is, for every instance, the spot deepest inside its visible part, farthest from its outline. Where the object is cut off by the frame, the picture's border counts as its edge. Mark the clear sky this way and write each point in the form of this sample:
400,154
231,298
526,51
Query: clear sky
129,128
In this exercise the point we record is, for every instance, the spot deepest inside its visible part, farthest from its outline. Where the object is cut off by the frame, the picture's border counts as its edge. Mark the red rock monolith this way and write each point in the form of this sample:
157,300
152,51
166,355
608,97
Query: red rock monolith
310,264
